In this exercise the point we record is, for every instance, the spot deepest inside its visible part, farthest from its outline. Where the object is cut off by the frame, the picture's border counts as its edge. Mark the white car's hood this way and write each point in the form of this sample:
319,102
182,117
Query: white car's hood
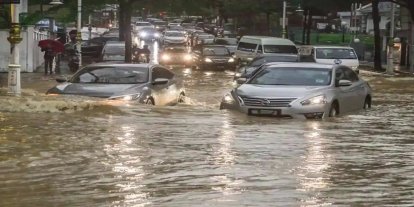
276,91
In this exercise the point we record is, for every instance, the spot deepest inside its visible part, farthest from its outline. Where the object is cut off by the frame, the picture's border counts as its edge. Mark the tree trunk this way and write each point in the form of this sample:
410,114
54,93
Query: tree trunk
268,23
121,24
305,19
377,36
309,28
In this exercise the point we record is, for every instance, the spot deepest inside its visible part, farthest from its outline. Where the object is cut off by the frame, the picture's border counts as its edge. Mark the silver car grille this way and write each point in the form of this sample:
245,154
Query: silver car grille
220,60
267,102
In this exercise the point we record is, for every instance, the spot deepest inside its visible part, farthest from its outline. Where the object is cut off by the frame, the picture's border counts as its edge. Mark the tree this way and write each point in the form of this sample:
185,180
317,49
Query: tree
377,38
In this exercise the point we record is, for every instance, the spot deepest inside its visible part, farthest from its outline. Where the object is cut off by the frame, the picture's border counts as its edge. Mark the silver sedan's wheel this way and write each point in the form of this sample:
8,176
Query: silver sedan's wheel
333,112
367,103
150,102
181,98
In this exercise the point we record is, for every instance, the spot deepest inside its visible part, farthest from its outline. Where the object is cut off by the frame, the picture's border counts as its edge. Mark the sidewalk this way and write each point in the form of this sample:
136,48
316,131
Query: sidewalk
398,70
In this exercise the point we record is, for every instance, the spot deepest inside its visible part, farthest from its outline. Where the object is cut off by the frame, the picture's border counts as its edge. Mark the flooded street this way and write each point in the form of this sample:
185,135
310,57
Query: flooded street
194,154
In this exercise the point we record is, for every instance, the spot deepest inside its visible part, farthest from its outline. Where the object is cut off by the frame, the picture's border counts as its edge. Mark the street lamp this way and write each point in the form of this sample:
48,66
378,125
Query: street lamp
14,39
284,20
343,28
79,35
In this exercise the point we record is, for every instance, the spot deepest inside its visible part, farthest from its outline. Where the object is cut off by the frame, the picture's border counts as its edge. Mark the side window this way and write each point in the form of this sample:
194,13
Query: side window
350,75
247,47
260,49
161,73
339,75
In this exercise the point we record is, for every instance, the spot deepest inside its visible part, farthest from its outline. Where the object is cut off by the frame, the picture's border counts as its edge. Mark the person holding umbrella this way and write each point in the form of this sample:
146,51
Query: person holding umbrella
51,48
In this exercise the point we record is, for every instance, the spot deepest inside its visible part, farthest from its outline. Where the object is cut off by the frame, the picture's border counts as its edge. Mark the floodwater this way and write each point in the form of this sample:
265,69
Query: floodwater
193,154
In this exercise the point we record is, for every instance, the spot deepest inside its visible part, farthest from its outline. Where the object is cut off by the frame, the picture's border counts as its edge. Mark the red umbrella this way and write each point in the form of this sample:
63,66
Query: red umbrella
55,45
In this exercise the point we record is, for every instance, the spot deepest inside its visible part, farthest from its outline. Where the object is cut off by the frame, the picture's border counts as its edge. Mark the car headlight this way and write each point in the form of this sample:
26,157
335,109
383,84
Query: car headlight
228,99
165,57
354,67
321,99
187,57
156,35
143,34
128,97
208,60
231,60
238,75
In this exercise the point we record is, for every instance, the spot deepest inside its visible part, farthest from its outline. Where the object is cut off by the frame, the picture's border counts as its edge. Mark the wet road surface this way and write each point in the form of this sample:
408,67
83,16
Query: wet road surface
196,155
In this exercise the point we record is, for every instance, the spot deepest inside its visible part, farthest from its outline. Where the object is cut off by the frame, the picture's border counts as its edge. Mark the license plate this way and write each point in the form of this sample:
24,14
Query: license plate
265,112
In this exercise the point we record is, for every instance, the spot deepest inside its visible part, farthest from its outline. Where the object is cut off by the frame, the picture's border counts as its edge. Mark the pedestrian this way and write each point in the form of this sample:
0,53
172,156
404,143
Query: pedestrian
48,57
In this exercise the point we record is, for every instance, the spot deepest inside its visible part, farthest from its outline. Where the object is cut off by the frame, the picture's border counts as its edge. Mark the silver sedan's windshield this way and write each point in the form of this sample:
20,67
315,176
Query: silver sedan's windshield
293,76
111,75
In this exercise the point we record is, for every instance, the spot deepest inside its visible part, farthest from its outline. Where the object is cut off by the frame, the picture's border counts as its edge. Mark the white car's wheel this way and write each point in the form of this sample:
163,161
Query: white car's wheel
367,103
334,111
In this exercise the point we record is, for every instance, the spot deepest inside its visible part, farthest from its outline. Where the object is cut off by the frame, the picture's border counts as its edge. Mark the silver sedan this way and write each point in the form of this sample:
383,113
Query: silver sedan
142,83
307,90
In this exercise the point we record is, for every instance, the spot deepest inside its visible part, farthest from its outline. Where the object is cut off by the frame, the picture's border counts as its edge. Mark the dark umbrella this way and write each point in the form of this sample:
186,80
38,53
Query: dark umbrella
55,45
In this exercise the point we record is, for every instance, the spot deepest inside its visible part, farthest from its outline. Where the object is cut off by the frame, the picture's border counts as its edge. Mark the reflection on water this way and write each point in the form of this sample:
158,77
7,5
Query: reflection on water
196,155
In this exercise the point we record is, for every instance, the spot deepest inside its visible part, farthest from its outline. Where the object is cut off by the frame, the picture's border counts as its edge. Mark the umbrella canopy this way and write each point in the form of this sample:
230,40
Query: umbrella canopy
55,45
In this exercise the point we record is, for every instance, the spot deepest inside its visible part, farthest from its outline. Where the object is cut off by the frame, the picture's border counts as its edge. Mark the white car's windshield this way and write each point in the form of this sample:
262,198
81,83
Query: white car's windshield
335,53
174,34
293,76
111,75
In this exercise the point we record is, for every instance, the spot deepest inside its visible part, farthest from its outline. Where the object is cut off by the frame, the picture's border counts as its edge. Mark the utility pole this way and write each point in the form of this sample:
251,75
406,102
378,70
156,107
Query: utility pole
79,35
390,59
14,39
284,20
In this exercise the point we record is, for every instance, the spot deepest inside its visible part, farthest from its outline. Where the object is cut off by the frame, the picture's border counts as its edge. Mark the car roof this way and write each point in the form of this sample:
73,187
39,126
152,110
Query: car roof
115,43
301,65
121,65
331,46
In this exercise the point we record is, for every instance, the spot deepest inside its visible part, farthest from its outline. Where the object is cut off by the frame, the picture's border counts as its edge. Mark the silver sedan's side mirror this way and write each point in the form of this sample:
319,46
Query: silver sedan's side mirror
61,79
344,83
241,80
160,81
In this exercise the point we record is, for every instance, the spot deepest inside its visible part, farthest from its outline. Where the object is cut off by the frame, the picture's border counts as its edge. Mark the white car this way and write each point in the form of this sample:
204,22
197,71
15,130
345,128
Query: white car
174,37
140,25
336,55
307,90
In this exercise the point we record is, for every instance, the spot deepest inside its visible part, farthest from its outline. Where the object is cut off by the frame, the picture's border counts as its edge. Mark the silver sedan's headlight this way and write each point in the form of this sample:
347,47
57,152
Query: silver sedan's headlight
321,99
128,97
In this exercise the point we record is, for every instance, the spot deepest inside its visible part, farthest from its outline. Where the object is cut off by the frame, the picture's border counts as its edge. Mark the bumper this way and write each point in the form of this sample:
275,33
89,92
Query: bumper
298,111
175,62
219,66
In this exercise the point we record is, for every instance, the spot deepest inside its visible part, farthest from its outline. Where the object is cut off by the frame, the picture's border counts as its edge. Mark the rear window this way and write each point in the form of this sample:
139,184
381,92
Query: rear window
287,49
216,51
335,53
247,47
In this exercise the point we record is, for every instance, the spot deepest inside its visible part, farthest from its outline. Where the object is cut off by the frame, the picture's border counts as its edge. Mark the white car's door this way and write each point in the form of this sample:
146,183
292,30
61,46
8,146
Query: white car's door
166,94
345,94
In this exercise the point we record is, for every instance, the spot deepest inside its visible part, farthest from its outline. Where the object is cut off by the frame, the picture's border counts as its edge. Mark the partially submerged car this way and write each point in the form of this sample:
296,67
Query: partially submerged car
306,90
141,83
175,55
212,57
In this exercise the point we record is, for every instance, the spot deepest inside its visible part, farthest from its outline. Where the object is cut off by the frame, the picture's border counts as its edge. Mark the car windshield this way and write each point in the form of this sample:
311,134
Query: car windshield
160,23
261,60
174,34
111,75
292,76
216,51
288,49
114,50
335,53
143,24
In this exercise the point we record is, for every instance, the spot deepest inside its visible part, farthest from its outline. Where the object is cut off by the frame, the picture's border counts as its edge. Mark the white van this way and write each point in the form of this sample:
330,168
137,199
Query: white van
336,55
251,46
